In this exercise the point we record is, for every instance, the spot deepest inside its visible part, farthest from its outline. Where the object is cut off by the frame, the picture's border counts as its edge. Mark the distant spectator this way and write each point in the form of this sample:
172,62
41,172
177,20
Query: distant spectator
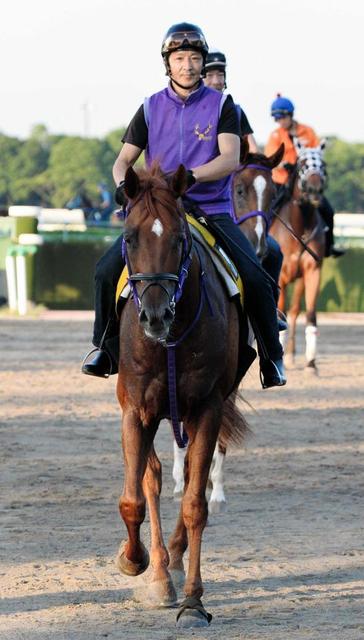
107,202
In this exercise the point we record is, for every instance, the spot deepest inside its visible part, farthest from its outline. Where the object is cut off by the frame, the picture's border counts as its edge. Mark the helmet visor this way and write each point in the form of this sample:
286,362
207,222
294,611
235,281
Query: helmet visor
185,40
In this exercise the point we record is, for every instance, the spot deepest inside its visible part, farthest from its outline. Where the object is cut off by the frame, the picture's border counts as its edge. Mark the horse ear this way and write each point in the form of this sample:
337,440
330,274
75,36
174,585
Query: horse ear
178,181
132,183
244,149
276,157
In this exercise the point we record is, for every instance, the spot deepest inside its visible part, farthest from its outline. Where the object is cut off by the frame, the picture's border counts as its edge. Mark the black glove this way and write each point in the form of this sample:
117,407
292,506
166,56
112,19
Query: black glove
191,180
120,195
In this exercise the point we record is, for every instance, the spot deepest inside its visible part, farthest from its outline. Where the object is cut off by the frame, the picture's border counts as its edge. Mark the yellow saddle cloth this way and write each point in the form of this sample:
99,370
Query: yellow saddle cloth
223,264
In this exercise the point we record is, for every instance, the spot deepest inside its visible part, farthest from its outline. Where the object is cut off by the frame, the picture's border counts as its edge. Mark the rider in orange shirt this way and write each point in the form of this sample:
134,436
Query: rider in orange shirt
282,110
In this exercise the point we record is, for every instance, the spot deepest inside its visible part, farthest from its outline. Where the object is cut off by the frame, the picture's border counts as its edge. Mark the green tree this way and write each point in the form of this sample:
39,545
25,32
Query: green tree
345,163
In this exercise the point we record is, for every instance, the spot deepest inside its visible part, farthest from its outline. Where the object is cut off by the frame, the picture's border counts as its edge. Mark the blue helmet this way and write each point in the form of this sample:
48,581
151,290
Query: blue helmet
281,107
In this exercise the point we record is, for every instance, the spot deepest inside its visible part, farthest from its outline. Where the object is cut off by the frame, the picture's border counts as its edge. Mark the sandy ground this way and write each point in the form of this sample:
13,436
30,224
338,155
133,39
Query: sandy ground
285,561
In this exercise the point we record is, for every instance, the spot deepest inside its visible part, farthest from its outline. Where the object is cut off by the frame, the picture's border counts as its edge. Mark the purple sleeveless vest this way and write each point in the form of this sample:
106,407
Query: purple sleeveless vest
185,132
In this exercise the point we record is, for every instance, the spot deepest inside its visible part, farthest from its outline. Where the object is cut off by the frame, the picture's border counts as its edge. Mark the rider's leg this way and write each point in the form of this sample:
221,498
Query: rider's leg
272,262
327,213
259,299
106,325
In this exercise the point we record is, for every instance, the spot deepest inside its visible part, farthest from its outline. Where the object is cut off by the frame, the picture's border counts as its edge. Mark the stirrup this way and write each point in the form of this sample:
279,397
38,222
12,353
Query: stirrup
84,362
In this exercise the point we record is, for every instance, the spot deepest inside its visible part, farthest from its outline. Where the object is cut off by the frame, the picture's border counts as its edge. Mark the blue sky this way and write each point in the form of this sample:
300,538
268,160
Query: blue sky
57,57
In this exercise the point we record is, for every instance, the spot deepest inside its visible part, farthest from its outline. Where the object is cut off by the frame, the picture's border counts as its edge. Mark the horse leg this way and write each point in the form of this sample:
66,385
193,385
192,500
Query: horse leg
203,439
217,502
293,314
312,289
177,472
160,589
133,558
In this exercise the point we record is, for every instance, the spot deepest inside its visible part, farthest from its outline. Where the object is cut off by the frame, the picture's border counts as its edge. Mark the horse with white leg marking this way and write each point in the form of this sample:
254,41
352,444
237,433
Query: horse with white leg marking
305,250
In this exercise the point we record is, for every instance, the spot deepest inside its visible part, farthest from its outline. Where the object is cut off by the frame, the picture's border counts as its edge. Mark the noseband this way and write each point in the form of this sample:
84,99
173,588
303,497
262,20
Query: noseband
267,217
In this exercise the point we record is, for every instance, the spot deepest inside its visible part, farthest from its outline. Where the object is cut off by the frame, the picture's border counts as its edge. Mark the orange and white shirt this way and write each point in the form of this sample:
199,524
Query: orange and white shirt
305,135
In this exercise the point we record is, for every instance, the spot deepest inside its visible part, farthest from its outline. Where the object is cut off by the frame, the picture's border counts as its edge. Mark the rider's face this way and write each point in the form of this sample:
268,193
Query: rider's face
285,122
185,67
215,80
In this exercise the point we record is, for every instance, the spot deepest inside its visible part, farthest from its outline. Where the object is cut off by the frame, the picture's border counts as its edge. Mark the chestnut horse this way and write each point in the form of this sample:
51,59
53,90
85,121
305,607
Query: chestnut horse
191,324
252,193
300,266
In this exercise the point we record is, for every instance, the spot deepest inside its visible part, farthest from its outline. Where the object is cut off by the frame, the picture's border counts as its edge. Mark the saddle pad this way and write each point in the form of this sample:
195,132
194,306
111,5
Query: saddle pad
224,266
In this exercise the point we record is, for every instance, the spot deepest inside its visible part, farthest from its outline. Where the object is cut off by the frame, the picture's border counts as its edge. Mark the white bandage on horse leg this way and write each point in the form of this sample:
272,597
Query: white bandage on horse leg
311,342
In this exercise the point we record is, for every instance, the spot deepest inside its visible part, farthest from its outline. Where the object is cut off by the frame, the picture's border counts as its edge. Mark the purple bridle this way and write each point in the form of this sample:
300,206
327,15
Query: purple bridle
267,217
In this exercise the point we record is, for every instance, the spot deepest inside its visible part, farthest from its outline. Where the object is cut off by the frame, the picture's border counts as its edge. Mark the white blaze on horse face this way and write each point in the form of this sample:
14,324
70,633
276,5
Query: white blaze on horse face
157,227
259,186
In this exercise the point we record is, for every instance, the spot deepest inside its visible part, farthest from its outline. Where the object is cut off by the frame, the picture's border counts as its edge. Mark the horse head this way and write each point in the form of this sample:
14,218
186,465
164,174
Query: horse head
311,173
157,246
252,193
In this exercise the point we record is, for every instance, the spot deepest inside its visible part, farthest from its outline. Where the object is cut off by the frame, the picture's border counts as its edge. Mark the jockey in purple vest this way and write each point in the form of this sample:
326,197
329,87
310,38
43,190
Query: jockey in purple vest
191,124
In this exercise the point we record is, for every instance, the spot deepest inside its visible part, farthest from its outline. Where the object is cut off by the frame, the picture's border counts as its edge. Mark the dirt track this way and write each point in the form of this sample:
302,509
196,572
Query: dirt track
287,559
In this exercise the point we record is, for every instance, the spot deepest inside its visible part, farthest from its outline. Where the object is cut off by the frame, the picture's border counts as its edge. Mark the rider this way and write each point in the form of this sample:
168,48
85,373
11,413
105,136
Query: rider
214,74
282,110
189,123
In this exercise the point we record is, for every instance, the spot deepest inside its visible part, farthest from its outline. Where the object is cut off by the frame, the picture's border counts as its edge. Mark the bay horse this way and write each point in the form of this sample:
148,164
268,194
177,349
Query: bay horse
252,193
300,266
179,338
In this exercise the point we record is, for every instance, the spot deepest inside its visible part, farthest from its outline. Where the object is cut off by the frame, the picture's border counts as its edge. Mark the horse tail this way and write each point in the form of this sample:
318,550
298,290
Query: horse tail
234,427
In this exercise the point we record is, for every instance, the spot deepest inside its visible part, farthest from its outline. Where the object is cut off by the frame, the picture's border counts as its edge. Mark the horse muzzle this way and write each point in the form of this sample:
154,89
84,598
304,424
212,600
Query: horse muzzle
156,321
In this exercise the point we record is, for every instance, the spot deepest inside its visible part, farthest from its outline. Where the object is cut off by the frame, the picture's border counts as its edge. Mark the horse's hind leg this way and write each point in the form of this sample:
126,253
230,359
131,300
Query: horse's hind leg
161,591
217,502
177,472
133,558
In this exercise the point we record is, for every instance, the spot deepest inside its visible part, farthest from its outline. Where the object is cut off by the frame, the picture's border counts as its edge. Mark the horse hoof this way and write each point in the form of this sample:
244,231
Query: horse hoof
217,506
289,361
192,614
161,593
190,619
177,496
128,567
311,369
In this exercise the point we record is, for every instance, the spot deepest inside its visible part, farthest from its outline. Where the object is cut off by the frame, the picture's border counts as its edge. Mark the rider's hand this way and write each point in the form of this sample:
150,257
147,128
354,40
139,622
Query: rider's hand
120,195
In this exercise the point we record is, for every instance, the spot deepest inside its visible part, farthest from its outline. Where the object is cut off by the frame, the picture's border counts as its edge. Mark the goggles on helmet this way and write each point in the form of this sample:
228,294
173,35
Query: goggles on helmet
185,40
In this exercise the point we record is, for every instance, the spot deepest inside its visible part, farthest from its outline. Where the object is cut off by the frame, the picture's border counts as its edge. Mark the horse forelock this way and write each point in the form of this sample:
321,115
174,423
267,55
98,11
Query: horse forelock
155,196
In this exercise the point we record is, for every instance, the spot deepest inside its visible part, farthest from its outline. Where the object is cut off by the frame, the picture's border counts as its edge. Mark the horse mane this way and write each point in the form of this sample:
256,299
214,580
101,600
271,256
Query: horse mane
155,191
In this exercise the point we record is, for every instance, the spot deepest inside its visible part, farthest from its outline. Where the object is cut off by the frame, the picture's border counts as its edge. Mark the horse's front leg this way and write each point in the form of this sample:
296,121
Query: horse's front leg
312,290
133,558
161,590
292,316
203,438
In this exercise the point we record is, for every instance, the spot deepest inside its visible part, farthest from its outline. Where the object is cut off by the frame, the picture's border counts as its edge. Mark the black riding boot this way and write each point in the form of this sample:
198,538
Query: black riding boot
106,326
327,213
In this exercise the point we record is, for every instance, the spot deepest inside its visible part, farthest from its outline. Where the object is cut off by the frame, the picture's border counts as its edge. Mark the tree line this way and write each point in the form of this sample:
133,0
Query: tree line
49,170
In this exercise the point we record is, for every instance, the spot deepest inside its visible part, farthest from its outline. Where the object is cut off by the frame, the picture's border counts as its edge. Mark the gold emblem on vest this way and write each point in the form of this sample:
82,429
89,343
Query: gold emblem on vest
203,135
